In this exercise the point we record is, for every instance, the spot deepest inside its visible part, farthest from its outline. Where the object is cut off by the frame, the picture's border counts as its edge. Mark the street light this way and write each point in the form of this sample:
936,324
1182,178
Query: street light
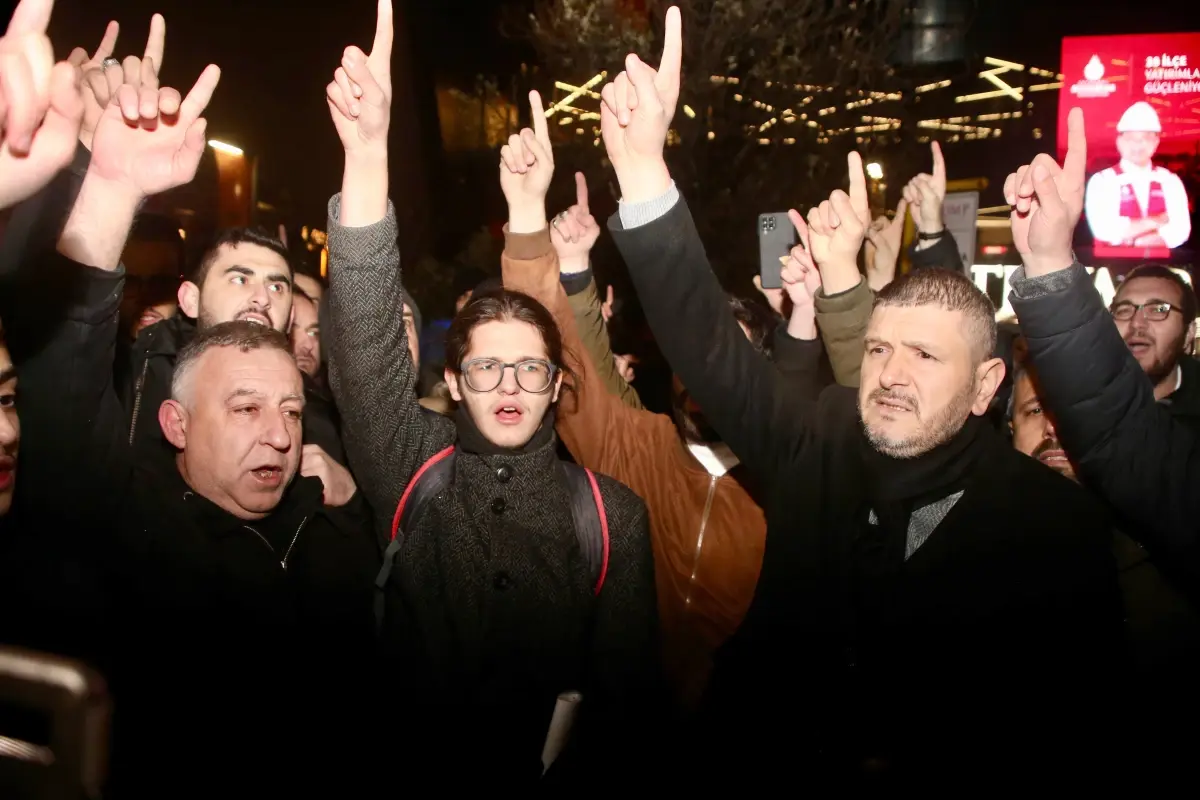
222,147
874,171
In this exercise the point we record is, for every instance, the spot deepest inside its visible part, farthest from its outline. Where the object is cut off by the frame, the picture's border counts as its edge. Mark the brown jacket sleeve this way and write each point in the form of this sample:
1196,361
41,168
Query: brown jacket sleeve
842,320
589,320
592,421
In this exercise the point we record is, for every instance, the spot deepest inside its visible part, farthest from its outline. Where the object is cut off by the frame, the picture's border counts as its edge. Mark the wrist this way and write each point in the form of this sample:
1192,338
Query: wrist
1037,266
803,323
839,276
526,217
364,188
573,265
99,223
645,181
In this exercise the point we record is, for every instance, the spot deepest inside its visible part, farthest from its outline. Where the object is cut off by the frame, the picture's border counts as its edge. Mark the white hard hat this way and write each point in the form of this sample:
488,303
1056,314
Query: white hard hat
1140,116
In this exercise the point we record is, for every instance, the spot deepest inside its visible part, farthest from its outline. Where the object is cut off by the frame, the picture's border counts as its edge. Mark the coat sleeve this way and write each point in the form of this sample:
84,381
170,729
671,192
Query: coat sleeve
589,413
741,392
1126,446
799,362
842,320
942,255
386,434
63,344
593,333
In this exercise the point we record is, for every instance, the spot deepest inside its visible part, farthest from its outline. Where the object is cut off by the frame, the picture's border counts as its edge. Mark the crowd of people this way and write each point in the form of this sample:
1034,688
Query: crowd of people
875,544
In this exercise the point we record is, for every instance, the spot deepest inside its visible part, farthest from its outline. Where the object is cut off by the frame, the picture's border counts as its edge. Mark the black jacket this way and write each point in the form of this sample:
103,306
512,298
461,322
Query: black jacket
987,626
143,378
229,647
491,610
1137,454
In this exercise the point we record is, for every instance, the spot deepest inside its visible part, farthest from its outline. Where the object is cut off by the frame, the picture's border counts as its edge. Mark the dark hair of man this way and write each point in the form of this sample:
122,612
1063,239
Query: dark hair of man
952,291
231,237
503,305
759,321
298,292
243,335
1188,296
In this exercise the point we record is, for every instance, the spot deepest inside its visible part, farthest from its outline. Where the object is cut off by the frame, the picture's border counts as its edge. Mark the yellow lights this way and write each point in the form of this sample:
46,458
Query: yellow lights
789,140
738,98
304,233
1045,87
579,131
767,124
711,136
812,123
575,93
970,98
929,87
859,103
324,262
688,110
875,171
182,234
887,126
223,147
567,120
826,111
585,116
995,117
764,141
1043,73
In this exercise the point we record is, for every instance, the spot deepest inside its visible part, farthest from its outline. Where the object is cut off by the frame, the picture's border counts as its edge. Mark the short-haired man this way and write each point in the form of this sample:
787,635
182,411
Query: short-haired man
909,616
1155,313
242,594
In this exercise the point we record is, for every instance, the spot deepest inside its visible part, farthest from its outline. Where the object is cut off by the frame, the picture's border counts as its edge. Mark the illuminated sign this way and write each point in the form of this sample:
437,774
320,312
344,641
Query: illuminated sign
1139,95
987,275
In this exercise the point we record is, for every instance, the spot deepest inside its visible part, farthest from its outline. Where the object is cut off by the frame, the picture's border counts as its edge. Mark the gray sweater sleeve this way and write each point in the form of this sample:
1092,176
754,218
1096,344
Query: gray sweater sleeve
387,435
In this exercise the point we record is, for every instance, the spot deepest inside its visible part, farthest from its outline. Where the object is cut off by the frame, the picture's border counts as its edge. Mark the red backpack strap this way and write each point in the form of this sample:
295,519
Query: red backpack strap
596,496
412,485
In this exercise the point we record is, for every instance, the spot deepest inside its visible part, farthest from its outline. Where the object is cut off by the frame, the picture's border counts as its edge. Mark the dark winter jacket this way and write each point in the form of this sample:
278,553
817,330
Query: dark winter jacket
229,647
491,611
856,656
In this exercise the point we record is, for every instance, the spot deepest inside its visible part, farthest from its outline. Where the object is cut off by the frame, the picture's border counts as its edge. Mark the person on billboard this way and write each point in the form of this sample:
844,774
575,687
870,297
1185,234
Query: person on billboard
1136,204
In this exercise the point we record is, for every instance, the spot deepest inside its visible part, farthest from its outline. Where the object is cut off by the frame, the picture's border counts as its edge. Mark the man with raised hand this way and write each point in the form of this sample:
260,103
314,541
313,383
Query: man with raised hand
1126,446
909,617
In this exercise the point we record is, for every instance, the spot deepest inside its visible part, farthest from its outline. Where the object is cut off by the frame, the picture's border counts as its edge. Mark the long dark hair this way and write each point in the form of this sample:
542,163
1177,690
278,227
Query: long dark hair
504,305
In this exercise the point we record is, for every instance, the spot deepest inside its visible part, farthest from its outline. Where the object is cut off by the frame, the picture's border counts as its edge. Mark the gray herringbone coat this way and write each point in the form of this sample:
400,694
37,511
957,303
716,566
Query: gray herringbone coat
490,608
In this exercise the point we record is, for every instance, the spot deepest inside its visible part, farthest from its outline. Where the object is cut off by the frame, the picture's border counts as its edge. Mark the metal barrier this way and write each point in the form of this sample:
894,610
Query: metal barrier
64,705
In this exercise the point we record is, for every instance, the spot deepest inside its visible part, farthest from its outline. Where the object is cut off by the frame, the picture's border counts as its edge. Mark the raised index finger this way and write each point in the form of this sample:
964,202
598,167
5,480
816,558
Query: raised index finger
31,16
939,164
1076,161
155,42
858,184
109,43
541,128
383,30
672,55
198,98
581,198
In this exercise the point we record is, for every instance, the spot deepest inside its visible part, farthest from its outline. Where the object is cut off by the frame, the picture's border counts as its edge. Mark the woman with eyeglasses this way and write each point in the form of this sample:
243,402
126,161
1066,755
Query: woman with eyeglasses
516,590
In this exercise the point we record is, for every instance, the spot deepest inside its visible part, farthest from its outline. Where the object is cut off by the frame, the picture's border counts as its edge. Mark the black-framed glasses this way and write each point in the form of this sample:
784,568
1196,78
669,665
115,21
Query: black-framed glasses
485,374
1155,310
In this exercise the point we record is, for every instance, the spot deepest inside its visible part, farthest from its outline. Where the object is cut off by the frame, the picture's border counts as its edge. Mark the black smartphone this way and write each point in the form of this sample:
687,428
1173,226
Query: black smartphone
776,238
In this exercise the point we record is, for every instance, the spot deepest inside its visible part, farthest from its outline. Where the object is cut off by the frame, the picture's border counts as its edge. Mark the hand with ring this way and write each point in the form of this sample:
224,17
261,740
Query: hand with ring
103,74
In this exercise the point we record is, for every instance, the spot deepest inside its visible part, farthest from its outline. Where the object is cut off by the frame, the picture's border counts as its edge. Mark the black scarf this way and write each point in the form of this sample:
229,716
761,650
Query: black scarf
471,440
896,487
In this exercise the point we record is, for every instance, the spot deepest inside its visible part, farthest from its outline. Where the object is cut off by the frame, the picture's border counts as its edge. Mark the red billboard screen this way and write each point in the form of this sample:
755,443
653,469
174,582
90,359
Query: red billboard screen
1140,97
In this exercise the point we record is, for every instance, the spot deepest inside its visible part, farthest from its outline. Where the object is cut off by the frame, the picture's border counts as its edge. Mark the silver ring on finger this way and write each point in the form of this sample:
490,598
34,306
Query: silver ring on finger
554,222
109,63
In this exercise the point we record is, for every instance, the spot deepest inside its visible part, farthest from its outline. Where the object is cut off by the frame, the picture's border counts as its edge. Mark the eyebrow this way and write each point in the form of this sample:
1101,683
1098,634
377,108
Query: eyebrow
928,348
277,277
7,374
236,393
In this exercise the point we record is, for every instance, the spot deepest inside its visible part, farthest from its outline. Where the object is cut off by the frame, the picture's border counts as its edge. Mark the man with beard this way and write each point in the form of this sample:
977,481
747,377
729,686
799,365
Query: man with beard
1162,626
1155,313
912,625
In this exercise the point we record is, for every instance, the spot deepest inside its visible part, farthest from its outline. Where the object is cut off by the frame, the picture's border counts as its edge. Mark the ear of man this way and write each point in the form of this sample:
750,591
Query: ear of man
172,418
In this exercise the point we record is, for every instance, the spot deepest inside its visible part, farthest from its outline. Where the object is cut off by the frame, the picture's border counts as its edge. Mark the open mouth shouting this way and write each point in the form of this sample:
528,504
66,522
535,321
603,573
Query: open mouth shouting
508,413
1139,345
268,476
256,317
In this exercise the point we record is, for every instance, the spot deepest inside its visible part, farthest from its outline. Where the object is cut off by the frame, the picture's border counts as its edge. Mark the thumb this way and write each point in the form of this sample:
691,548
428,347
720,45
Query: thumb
642,78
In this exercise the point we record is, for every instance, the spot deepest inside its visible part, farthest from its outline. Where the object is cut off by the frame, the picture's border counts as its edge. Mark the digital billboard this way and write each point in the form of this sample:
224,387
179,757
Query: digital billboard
1140,97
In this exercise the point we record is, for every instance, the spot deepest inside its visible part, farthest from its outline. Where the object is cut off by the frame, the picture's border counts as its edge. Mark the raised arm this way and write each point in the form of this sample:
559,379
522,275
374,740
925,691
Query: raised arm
588,415
574,233
371,371
739,390
1143,462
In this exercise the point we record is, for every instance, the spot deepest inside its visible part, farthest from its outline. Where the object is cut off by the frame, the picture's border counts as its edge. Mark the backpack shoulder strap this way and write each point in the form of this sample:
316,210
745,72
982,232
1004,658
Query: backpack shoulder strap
431,478
591,521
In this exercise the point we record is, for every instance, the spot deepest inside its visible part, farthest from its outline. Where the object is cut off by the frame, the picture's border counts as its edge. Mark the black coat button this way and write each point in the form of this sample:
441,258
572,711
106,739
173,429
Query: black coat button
504,473
501,581
498,505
